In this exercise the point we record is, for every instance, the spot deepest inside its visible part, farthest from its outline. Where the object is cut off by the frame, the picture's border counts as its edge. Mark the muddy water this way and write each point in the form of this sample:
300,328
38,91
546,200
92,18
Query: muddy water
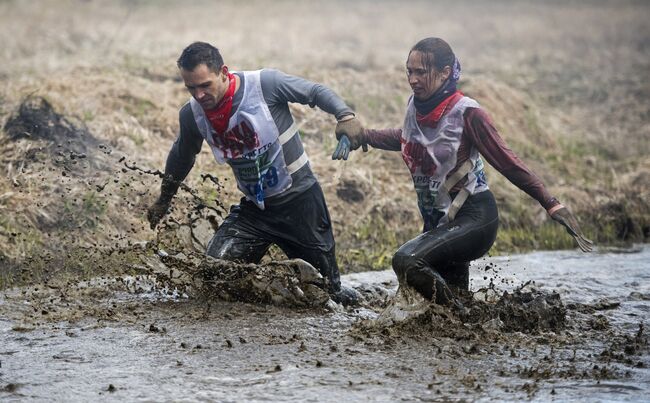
128,339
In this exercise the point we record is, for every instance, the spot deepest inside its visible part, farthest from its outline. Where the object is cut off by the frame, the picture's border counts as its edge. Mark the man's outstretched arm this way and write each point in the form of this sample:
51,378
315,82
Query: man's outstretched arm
180,161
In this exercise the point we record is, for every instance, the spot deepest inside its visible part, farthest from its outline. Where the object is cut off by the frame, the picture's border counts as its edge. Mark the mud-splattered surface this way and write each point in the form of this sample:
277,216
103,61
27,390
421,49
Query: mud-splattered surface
125,338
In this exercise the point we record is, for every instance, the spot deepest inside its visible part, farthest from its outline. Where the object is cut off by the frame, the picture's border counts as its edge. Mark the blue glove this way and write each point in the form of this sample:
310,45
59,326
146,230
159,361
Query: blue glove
342,150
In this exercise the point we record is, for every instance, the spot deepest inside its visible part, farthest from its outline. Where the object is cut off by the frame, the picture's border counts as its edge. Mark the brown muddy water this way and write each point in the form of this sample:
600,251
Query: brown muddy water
131,339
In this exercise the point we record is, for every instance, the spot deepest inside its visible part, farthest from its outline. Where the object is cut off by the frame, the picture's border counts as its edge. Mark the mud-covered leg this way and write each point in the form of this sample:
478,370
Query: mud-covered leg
325,263
427,281
235,242
430,284
439,258
456,274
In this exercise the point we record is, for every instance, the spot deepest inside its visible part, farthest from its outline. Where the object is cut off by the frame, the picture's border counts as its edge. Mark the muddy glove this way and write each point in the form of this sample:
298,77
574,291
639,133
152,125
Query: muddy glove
157,211
349,126
564,217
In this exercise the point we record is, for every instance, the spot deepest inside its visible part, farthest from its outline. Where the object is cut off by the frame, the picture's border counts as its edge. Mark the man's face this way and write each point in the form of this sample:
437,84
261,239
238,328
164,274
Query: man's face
206,86
423,81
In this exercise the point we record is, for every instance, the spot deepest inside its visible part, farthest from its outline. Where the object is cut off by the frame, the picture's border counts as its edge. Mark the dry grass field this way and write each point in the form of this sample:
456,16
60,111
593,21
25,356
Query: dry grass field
566,83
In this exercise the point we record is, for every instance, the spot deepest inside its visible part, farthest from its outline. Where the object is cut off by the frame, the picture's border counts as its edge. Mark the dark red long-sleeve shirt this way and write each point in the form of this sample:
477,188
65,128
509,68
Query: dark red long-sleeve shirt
479,132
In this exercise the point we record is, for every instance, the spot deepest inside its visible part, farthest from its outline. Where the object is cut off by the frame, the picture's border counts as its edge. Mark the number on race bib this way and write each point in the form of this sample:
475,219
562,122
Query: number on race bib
271,177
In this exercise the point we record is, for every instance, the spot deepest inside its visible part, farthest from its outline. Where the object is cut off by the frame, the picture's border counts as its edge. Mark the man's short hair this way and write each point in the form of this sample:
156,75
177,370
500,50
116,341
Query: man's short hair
200,53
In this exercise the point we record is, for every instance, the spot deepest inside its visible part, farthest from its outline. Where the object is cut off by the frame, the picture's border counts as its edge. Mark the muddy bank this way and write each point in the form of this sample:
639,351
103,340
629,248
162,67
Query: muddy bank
73,341
76,204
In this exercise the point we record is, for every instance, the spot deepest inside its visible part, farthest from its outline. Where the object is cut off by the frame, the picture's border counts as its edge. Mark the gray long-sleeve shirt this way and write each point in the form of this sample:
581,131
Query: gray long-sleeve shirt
278,90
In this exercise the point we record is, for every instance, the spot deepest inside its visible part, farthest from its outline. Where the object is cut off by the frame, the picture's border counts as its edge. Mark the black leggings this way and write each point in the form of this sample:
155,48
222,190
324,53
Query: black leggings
441,256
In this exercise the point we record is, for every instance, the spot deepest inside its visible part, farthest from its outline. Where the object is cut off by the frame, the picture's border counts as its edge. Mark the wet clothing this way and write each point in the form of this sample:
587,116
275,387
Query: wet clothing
430,149
278,89
446,250
479,132
262,134
440,256
301,228
251,143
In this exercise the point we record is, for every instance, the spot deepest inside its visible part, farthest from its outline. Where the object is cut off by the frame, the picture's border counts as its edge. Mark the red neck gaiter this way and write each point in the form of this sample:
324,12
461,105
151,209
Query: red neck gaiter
220,114
432,118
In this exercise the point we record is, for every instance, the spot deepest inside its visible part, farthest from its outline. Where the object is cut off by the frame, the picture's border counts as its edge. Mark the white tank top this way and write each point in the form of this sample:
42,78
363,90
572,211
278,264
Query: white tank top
431,154
258,165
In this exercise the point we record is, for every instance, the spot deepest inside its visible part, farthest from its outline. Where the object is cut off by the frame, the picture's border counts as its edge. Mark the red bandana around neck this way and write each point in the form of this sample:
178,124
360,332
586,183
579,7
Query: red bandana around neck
219,116
432,118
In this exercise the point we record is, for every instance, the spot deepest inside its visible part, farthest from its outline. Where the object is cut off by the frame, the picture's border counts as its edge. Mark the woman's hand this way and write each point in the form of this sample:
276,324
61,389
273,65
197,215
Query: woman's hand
564,217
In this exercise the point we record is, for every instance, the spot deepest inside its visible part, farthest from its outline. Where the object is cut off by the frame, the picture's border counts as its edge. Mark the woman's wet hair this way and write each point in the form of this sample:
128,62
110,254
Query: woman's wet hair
200,53
436,53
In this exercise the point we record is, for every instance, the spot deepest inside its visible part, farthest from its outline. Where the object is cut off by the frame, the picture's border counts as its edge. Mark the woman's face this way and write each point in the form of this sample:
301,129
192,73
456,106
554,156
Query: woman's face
424,80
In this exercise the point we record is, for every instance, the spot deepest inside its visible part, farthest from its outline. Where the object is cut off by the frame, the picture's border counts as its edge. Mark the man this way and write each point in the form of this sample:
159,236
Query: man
245,119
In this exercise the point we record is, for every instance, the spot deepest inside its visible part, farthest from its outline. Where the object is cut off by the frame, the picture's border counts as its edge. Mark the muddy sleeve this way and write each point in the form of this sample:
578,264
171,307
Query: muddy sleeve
384,139
182,154
482,133
279,87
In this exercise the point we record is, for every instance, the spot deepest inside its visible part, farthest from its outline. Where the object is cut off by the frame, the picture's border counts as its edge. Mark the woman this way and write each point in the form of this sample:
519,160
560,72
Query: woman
442,140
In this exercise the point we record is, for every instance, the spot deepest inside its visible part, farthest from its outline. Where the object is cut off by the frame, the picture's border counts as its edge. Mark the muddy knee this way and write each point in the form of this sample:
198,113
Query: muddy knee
402,263
427,281
236,249
219,248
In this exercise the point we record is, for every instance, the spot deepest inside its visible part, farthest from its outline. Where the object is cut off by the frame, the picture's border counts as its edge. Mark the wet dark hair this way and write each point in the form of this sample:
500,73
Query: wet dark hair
200,53
436,53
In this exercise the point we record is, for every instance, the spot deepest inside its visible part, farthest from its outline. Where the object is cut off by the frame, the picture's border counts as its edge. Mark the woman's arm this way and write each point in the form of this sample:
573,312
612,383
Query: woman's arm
482,133
384,139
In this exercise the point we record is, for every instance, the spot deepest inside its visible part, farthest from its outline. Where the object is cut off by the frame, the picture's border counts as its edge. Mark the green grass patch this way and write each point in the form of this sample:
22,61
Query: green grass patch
373,245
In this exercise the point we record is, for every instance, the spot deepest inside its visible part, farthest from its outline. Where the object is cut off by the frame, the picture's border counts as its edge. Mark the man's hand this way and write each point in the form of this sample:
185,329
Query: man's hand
156,212
349,126
564,217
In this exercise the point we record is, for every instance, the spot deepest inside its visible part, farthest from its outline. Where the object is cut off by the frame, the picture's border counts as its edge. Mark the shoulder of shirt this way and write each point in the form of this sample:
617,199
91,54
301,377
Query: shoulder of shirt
479,119
186,120
269,74
474,113
270,80
185,112
270,70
